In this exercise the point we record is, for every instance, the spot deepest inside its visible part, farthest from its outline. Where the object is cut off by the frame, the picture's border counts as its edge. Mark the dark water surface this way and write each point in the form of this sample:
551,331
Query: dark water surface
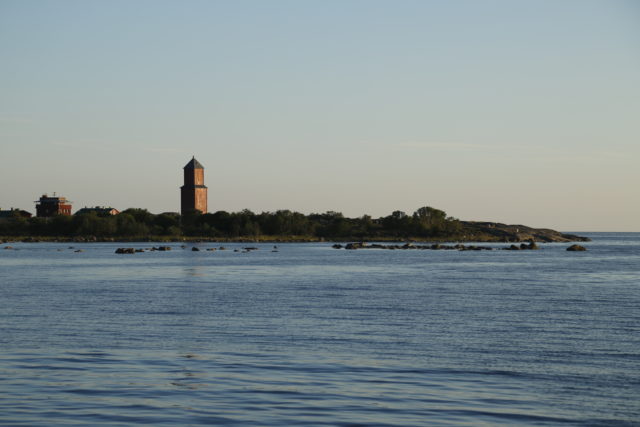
313,335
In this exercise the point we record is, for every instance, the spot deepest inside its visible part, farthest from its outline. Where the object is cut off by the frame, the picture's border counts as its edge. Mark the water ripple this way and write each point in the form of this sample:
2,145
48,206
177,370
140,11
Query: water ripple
315,336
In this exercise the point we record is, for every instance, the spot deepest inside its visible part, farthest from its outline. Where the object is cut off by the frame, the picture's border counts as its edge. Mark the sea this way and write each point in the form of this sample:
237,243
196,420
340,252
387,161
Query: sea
304,334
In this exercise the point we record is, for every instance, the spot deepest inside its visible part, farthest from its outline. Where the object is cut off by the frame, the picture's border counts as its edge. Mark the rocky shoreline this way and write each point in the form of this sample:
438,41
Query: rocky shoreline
494,231
531,245
474,232
459,247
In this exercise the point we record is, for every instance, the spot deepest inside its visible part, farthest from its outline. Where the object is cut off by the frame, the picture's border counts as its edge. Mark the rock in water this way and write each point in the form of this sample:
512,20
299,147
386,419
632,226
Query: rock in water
351,246
125,251
531,246
576,248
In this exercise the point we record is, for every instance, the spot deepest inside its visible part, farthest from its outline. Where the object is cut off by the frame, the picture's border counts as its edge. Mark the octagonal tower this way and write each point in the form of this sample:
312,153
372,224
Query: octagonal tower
193,194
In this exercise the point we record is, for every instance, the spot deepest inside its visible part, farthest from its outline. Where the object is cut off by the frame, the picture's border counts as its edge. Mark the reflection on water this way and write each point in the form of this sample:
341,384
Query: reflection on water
195,271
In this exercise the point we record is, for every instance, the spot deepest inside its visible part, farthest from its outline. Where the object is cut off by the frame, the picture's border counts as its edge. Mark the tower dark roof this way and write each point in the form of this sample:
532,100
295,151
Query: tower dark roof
193,164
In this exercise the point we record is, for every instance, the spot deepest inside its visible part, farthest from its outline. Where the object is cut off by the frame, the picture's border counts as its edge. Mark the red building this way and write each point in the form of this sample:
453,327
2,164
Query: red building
51,206
193,194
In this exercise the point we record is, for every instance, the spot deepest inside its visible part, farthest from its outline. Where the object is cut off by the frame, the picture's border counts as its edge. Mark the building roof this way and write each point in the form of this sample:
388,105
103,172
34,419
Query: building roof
53,199
13,212
100,210
194,164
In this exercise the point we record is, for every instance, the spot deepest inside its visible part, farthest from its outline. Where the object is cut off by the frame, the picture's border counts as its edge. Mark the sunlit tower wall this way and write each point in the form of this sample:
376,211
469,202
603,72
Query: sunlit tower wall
193,194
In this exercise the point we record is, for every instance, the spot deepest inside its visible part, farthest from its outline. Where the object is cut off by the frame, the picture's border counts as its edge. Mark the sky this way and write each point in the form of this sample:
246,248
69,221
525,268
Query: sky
514,111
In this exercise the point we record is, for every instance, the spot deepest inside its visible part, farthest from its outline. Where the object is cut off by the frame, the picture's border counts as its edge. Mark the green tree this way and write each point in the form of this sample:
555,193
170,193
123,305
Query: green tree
428,215
164,222
142,216
398,224
128,226
59,225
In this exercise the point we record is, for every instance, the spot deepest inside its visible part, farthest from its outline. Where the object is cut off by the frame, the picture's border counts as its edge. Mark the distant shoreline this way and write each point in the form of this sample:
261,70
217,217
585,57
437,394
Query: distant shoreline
267,239
426,224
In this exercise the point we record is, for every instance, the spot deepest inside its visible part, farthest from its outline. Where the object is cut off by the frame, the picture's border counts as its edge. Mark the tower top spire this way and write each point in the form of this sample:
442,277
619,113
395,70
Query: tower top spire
194,164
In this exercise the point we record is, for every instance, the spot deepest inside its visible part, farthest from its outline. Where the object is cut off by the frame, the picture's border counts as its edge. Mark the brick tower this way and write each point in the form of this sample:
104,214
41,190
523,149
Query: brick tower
193,194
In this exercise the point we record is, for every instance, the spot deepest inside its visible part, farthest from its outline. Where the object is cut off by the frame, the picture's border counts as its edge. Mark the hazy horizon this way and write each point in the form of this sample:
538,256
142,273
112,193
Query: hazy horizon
514,112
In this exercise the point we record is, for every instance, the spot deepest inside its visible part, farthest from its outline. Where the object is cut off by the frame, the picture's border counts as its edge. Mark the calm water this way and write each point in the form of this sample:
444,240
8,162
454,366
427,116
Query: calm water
313,335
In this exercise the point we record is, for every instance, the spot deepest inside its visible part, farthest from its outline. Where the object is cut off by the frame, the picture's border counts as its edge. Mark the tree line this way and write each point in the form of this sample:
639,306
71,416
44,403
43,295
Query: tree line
426,222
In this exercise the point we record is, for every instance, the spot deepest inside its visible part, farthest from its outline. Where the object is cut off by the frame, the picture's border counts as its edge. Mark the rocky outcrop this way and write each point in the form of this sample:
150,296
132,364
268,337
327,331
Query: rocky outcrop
413,246
437,246
515,233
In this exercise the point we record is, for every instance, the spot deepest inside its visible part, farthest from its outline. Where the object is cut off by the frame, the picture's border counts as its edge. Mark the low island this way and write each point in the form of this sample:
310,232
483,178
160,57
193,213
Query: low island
426,224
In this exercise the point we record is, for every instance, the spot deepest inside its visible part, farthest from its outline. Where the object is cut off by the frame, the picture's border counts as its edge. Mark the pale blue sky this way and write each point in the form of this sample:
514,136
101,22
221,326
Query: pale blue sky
512,111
